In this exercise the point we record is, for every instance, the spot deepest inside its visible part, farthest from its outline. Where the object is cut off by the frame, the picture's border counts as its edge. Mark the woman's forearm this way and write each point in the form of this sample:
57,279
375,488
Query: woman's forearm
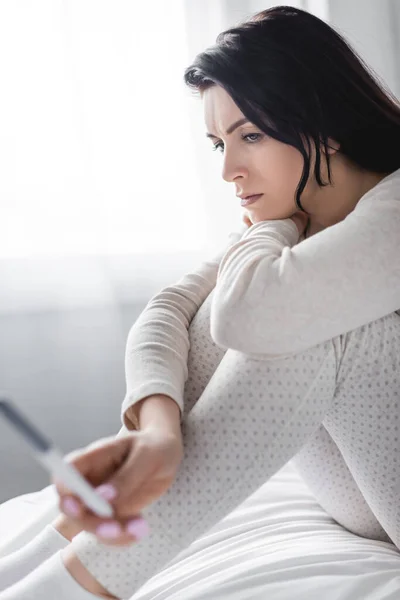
156,410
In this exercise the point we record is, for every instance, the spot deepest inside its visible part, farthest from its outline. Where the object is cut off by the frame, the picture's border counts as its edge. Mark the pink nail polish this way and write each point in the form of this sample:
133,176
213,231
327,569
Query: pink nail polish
107,491
71,507
138,527
109,530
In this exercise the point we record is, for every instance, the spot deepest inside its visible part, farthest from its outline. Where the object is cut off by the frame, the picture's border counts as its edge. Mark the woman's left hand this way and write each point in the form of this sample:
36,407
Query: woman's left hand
299,218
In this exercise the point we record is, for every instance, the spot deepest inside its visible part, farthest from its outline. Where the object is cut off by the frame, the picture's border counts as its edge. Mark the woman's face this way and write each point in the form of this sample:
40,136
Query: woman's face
253,161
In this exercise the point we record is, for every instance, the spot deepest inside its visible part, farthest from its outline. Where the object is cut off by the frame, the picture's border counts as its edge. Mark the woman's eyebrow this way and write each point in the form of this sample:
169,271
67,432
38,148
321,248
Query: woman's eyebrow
230,129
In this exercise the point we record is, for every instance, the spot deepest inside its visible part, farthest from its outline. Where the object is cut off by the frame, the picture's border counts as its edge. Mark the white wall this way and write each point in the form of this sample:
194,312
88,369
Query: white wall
372,27
258,5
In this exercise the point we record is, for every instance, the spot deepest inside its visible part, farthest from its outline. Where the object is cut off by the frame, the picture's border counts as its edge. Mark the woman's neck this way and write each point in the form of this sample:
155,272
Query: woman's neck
312,228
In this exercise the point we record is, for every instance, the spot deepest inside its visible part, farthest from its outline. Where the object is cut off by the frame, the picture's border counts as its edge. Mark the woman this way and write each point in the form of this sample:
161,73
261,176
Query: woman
284,346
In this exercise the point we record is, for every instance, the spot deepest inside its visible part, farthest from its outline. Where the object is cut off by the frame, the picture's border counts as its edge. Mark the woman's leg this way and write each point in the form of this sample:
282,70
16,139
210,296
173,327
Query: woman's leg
251,418
322,467
366,425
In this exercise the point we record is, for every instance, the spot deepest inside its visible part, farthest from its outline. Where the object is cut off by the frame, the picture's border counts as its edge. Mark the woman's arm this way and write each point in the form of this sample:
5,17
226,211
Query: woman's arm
273,297
158,343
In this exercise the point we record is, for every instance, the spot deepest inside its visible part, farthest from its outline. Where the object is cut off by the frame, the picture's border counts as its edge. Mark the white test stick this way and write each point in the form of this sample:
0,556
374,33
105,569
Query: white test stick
52,459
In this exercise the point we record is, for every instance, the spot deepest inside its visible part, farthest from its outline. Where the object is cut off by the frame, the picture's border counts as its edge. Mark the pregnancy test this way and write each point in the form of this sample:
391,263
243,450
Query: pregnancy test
52,459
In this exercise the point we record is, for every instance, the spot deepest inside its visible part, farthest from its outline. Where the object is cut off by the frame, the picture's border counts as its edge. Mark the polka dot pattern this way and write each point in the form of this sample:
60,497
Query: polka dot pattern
324,470
245,418
366,424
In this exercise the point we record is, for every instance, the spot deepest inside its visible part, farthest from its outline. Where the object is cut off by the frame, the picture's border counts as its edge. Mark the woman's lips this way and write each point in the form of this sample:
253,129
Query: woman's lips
250,199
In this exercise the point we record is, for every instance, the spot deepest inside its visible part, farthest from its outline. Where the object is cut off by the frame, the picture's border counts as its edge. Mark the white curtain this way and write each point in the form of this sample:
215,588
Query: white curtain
95,151
105,167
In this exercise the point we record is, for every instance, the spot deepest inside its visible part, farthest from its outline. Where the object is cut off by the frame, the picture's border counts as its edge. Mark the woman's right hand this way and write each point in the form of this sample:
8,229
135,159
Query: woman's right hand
141,467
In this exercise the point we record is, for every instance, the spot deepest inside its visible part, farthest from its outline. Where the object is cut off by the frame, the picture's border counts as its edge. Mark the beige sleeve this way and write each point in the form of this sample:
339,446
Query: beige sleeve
158,343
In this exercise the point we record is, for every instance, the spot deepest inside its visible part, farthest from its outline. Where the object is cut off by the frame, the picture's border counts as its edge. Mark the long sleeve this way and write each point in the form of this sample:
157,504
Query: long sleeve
275,297
158,342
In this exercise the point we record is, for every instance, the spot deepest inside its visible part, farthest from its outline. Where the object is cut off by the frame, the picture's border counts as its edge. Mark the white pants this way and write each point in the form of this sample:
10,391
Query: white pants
334,407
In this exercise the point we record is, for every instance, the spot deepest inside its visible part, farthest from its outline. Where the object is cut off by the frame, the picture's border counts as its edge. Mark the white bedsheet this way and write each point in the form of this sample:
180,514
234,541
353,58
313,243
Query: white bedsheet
277,545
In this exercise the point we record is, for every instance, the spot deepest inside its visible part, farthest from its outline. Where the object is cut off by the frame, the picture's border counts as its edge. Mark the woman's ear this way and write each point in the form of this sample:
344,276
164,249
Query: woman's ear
333,146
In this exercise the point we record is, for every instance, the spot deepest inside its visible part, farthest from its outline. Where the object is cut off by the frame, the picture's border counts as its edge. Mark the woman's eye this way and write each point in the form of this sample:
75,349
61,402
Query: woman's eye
216,146
248,137
258,136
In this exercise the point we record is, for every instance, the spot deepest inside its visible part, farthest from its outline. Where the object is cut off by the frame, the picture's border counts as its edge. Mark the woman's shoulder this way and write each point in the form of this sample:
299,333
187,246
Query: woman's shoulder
387,190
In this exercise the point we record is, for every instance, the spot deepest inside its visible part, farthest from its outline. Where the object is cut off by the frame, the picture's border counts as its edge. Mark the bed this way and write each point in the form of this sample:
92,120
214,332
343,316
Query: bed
277,545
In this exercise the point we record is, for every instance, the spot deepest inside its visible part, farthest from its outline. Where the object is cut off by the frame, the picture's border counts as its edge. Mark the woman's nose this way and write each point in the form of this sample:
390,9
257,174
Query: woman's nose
233,168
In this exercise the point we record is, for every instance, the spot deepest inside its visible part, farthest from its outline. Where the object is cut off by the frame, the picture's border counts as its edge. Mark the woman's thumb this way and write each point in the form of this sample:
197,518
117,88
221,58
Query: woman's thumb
97,462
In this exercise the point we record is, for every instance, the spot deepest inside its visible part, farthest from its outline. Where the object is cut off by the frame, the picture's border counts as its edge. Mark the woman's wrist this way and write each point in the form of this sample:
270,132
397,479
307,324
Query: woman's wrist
158,411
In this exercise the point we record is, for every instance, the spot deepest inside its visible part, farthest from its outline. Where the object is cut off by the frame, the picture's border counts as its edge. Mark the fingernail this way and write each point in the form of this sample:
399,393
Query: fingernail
107,491
138,527
71,507
109,530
